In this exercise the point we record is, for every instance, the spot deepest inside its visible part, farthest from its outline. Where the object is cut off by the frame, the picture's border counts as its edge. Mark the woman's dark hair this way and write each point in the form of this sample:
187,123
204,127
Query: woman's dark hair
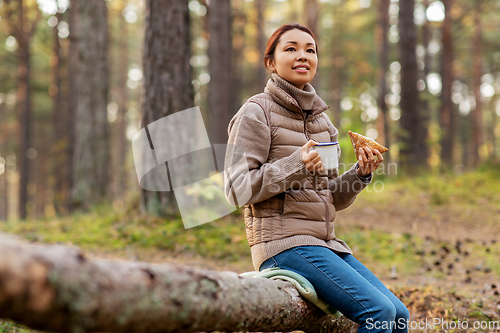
273,41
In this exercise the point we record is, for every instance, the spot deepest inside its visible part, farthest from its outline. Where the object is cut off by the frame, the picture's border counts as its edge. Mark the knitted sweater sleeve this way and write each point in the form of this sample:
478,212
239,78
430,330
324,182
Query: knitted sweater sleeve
248,176
345,187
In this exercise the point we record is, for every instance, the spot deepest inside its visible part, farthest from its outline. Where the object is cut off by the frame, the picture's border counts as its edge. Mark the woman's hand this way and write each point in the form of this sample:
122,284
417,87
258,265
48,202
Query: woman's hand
368,163
311,158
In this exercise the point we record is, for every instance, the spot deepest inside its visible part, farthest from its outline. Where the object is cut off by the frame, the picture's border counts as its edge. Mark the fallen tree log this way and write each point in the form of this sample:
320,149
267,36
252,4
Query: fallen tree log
57,288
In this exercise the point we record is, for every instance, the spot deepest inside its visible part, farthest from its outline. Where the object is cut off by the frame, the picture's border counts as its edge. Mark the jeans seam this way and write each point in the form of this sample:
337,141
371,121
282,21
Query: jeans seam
367,311
275,262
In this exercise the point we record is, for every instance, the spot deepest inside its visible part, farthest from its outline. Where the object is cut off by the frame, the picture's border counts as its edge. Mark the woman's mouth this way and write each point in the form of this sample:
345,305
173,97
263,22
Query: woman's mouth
301,69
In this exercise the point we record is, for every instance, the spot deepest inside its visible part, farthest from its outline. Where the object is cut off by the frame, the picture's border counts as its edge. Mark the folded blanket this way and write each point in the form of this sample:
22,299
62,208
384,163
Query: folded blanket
303,286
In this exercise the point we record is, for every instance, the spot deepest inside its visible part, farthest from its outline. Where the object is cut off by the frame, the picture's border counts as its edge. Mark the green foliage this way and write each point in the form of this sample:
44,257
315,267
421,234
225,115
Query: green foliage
13,327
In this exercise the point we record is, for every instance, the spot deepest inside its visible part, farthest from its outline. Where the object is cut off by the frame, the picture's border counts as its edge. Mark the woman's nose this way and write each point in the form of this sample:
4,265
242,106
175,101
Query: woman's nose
301,55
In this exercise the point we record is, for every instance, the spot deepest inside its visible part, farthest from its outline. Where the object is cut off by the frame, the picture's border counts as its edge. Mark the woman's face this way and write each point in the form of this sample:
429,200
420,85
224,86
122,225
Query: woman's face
295,58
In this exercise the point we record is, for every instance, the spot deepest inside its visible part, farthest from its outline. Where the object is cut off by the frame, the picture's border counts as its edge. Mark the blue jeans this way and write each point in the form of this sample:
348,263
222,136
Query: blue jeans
345,283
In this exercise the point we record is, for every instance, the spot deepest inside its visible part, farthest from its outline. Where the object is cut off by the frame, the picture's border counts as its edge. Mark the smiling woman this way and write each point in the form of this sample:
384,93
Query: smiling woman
290,197
293,56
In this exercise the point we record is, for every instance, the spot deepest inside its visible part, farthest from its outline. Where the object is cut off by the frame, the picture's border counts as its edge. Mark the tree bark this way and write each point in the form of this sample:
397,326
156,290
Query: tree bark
381,32
91,152
84,295
447,117
167,78
219,67
412,151
477,72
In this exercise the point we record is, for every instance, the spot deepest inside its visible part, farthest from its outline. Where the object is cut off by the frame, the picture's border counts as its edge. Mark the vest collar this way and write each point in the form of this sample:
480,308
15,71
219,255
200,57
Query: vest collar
292,98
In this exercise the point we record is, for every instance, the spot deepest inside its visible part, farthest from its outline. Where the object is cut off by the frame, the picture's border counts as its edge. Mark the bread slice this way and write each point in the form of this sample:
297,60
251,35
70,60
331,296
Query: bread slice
361,141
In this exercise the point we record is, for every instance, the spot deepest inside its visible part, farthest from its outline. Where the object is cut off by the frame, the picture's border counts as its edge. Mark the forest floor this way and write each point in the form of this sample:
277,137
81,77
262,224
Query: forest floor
432,240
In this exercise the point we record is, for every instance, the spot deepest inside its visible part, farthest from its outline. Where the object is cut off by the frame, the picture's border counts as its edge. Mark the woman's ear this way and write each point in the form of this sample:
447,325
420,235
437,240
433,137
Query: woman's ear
270,64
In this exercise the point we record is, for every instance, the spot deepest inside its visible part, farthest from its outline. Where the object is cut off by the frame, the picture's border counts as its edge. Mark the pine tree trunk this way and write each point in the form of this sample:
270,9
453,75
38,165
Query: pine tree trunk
337,61
121,129
381,35
57,288
237,57
4,135
447,117
40,172
477,72
167,78
22,29
58,153
219,68
425,109
24,114
260,82
71,99
492,127
91,151
412,151
311,12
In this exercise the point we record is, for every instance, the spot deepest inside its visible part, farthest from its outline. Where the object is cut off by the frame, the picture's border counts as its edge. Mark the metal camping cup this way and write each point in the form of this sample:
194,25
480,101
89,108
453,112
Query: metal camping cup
328,153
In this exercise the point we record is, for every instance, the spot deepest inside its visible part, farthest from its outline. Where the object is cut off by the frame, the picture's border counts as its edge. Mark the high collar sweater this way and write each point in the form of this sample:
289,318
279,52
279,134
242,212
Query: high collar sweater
305,97
303,102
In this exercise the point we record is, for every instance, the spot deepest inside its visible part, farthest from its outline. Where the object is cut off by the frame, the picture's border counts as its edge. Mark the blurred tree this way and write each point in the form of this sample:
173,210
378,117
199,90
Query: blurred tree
219,67
311,13
412,151
91,161
477,73
237,57
447,117
338,60
425,104
59,137
22,27
4,186
123,62
71,98
167,77
381,36
311,16
260,6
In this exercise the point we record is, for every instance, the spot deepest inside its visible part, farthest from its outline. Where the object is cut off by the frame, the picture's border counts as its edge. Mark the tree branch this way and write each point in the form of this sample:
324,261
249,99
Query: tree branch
57,288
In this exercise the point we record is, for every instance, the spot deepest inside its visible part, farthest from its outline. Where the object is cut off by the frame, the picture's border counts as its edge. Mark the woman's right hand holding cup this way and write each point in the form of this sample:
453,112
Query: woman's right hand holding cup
311,157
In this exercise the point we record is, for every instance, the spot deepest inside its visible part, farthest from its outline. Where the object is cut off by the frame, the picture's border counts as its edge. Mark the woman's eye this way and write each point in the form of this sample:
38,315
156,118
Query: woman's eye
290,48
311,50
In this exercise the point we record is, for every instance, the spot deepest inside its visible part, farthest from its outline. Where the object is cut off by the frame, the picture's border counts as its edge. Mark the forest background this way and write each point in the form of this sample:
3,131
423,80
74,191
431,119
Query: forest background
79,79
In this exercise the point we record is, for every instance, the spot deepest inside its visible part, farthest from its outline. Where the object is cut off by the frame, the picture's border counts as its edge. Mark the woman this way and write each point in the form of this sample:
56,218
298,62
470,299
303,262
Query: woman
290,201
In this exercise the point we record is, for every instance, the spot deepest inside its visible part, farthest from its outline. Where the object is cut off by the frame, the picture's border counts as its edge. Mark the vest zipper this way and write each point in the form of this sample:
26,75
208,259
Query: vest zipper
327,213
305,127
315,181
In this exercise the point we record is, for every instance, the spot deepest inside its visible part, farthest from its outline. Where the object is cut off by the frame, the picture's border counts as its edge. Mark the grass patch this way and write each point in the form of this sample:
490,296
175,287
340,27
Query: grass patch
104,229
7,326
438,189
